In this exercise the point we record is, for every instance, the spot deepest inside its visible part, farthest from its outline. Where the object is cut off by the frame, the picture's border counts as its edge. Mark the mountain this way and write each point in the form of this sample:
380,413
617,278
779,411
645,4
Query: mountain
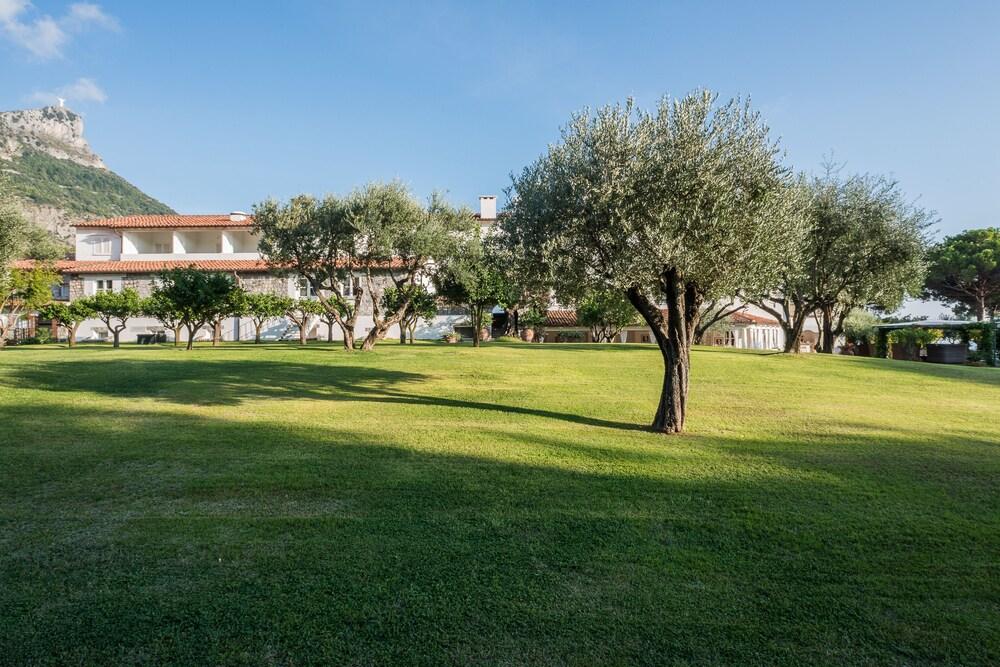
57,177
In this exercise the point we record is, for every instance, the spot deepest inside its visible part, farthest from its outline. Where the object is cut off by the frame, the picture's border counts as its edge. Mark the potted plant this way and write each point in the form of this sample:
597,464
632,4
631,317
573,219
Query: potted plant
530,321
452,337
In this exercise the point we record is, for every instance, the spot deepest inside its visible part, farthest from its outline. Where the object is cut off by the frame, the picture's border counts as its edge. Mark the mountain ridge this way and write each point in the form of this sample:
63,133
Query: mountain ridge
57,177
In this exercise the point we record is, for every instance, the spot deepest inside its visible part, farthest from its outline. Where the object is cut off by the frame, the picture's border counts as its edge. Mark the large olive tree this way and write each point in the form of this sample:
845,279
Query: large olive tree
670,208
317,240
864,248
400,243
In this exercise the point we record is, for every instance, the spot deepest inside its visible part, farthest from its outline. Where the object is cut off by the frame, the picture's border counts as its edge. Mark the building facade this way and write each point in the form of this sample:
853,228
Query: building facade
129,252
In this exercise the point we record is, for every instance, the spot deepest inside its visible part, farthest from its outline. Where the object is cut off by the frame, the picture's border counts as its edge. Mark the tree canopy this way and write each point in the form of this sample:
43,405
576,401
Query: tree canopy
675,206
964,269
195,297
864,248
115,309
605,313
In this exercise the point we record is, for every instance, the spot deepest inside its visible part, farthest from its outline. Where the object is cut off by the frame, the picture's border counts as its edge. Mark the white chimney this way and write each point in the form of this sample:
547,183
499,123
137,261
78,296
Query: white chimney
488,207
237,216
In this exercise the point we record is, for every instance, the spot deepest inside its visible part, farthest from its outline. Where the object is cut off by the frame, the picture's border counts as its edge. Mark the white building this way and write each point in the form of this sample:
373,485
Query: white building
128,252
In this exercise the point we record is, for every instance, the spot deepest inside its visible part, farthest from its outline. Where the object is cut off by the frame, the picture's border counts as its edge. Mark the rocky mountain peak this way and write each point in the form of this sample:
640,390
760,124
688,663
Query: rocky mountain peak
56,131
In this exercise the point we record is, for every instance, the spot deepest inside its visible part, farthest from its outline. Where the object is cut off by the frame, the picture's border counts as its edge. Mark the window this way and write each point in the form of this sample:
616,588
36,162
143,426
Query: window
162,248
348,287
100,246
104,286
306,290
61,292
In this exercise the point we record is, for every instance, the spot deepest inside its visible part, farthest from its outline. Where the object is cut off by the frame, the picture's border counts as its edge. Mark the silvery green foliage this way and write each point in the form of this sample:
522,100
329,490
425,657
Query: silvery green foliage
13,229
627,195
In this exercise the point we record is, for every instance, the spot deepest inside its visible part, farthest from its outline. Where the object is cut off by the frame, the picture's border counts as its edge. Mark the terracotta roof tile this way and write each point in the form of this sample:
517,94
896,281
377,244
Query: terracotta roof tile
744,317
154,266
173,220
560,318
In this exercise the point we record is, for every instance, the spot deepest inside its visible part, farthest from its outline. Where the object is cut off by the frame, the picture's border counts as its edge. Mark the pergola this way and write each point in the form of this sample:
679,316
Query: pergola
986,340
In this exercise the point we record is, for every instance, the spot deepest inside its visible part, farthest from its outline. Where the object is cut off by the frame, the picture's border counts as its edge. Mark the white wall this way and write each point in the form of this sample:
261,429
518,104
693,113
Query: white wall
85,244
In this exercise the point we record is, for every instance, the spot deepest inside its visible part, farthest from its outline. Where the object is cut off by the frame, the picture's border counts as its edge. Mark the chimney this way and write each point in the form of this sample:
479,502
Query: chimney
237,216
488,207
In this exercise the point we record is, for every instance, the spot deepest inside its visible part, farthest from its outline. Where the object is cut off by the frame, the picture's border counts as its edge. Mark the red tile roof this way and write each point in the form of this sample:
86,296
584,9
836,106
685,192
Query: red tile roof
152,266
567,318
560,318
173,220
744,317
156,265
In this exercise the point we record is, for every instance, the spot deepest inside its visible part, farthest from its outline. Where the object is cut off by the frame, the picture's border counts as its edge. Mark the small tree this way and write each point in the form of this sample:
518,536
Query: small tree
422,306
196,296
115,309
300,312
234,305
69,315
965,270
605,313
261,308
162,309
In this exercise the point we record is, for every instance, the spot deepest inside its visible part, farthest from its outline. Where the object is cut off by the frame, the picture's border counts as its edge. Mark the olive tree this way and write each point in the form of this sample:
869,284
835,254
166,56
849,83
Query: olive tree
317,240
965,269
864,248
400,243
472,278
301,313
423,306
261,308
671,207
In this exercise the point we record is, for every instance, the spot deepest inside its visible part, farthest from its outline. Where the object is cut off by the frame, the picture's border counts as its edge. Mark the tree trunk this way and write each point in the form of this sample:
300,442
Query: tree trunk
72,334
190,340
116,334
329,332
402,333
256,332
348,338
672,338
369,343
827,347
980,309
412,328
477,318
302,333
216,333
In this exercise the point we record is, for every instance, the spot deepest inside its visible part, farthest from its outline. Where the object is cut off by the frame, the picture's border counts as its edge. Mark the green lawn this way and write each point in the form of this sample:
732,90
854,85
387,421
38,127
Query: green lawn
435,504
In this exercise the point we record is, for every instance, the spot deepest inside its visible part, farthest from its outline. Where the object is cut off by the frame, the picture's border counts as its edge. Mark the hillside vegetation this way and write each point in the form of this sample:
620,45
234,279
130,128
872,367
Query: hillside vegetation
434,504
80,190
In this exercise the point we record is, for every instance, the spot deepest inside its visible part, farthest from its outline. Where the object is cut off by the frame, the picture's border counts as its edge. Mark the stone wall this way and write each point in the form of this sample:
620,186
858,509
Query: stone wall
264,283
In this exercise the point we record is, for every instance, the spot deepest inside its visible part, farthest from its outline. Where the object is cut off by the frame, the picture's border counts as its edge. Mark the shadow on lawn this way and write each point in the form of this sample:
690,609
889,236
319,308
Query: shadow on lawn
213,382
159,537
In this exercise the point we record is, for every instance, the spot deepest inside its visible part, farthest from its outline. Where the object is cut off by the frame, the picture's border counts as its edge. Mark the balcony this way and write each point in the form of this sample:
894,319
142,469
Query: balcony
189,244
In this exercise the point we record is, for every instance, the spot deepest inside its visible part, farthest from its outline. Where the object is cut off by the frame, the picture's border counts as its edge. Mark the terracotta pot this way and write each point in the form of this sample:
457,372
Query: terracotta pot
527,335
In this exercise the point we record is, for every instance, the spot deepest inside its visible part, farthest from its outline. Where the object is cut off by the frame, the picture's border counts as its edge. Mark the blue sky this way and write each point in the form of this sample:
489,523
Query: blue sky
213,106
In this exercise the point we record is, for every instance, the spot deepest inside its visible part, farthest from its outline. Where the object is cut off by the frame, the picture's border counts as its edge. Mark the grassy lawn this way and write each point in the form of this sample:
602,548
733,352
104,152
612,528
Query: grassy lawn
432,505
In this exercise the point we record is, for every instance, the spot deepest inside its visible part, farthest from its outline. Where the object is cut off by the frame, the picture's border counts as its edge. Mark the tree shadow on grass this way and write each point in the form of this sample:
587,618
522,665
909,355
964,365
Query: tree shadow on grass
174,538
196,381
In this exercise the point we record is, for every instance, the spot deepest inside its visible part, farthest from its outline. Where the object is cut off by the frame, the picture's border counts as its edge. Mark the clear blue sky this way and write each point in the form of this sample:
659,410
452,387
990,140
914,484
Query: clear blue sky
213,106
